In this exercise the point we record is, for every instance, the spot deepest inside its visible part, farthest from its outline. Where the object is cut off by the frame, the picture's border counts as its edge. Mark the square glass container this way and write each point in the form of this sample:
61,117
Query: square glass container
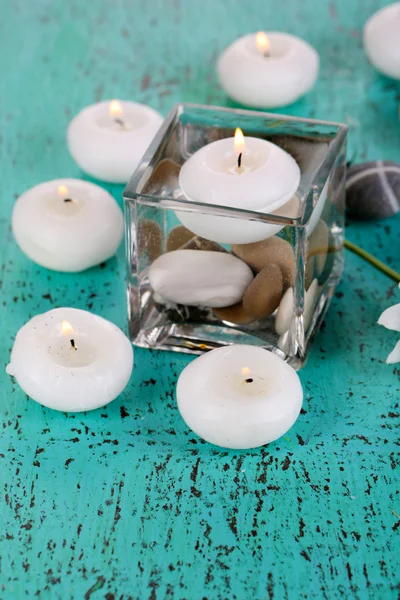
294,269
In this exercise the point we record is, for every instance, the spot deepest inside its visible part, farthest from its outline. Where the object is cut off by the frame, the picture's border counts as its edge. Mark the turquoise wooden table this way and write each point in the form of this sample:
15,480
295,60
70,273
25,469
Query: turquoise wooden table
126,502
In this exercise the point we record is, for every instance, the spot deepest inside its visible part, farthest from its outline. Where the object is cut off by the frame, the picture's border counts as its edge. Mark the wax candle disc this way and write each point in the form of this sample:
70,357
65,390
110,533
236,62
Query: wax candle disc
265,79
108,139
71,360
381,40
239,396
67,224
264,179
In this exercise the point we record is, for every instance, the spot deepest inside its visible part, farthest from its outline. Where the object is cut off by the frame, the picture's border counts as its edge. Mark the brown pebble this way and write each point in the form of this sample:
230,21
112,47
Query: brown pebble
233,314
163,178
177,237
318,246
199,243
149,239
264,293
273,250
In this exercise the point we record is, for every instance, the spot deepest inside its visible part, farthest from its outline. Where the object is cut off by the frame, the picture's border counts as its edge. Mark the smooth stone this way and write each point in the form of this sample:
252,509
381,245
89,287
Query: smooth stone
193,278
318,244
163,181
317,252
149,239
264,293
273,250
199,243
331,258
284,315
234,314
178,237
318,209
373,190
312,296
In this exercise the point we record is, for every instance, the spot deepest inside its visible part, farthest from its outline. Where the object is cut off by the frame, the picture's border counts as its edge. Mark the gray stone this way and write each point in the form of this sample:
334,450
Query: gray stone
373,190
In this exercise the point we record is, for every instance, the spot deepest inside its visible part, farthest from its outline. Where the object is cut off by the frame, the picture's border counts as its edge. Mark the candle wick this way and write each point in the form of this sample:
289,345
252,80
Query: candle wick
249,380
120,122
73,344
240,160
68,200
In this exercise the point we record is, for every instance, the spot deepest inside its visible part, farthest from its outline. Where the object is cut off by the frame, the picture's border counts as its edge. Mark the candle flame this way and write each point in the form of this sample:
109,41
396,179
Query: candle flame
62,191
239,143
115,109
246,371
67,328
262,42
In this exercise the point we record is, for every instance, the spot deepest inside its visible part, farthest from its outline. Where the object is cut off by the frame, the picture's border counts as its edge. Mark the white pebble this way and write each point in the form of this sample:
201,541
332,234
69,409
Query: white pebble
200,278
284,315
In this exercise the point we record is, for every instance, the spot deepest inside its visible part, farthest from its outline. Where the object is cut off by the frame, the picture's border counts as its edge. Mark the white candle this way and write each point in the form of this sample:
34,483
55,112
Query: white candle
67,224
267,70
71,360
239,396
108,139
246,173
382,40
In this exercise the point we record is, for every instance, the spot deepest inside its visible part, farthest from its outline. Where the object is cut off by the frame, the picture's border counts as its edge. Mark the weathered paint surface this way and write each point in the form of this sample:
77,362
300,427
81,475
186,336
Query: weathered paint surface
126,502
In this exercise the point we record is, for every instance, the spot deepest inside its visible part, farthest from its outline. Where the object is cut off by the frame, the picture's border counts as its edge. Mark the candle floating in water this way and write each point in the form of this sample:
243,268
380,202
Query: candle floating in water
67,224
108,139
267,70
239,396
241,172
71,360
382,40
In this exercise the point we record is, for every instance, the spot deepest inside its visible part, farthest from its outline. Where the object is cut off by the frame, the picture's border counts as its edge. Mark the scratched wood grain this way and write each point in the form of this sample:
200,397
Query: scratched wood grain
125,502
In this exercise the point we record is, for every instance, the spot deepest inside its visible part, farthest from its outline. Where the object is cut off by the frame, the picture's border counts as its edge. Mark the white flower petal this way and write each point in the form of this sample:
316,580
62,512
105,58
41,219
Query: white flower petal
390,318
394,356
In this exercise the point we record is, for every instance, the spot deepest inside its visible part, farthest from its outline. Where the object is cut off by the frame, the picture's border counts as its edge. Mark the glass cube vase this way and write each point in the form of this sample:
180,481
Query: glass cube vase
278,300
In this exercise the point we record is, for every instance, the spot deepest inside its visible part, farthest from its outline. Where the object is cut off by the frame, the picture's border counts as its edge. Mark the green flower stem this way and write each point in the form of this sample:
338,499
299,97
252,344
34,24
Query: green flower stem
373,261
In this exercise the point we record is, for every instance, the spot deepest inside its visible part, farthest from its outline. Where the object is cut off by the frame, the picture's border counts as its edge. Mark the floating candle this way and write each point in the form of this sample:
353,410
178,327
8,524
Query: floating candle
108,139
267,70
71,360
246,173
67,224
239,396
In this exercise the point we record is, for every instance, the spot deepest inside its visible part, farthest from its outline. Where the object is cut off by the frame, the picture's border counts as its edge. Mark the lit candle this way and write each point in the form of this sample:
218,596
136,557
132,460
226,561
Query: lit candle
382,40
108,139
239,396
71,360
267,70
247,173
67,224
